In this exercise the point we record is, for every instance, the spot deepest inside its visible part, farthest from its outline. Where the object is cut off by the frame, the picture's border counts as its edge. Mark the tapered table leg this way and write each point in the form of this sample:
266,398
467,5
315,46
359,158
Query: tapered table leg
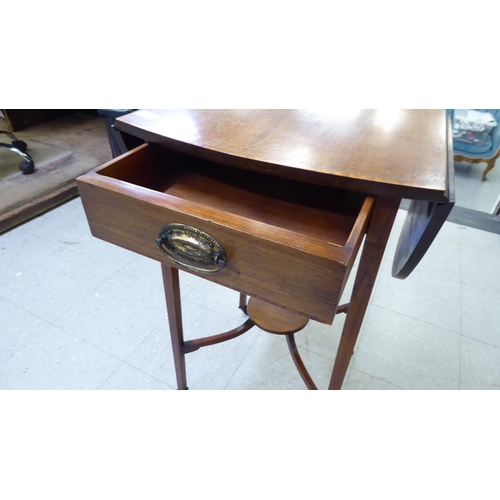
173,300
378,231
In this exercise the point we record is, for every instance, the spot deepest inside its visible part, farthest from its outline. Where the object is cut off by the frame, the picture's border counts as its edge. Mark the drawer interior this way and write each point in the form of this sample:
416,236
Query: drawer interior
312,211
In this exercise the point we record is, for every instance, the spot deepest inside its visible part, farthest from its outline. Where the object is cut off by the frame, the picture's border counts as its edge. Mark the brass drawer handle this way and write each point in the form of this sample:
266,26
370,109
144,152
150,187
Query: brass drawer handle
191,248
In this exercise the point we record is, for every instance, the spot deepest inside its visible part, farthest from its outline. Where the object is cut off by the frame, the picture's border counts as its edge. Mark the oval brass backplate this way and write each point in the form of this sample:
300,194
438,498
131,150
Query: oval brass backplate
191,248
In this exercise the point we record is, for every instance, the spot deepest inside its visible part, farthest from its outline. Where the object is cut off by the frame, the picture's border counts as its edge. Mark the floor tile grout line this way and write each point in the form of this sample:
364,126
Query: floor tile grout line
97,261
163,321
138,279
119,366
26,310
381,379
36,263
83,298
24,229
27,342
486,289
107,352
417,319
481,341
89,343
417,270
243,358
149,375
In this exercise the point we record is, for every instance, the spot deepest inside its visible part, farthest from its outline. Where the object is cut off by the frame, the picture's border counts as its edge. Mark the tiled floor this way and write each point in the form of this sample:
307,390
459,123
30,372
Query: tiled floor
78,313
472,192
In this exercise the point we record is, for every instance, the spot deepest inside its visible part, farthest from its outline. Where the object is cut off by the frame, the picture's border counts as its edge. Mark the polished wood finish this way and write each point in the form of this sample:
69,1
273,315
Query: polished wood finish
294,249
174,310
194,345
275,319
378,232
289,194
397,153
181,347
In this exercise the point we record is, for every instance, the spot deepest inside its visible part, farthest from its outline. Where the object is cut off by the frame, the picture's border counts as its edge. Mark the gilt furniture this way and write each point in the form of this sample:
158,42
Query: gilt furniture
484,153
275,204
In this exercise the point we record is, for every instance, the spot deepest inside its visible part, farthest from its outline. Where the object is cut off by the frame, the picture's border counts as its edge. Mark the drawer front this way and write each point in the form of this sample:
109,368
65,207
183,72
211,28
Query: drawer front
278,273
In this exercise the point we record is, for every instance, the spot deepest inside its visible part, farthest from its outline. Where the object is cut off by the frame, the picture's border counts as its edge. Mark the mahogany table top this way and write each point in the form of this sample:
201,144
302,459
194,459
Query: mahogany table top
397,153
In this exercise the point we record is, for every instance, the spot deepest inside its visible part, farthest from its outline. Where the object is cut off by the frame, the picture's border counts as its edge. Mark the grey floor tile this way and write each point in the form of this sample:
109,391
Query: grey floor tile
471,192
129,378
149,271
19,251
144,269
64,225
362,381
208,368
481,314
451,232
213,367
53,286
107,299
480,240
55,359
255,371
424,296
218,298
408,353
101,252
269,366
117,316
154,356
442,259
480,365
17,327
481,268
321,339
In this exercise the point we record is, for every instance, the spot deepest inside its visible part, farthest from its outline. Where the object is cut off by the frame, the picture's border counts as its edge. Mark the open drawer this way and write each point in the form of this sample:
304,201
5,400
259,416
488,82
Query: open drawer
279,240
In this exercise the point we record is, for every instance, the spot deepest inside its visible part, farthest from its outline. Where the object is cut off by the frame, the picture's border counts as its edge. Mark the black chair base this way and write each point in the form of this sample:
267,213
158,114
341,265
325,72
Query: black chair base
27,166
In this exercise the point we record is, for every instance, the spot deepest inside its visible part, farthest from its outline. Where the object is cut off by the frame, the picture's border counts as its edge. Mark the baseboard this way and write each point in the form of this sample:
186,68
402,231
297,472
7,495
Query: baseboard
21,214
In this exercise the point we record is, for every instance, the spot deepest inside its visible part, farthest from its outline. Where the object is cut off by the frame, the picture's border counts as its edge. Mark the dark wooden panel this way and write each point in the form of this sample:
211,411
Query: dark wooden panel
423,223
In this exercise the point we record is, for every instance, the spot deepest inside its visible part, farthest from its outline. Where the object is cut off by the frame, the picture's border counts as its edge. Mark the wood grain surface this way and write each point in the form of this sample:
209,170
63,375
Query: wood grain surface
292,251
398,153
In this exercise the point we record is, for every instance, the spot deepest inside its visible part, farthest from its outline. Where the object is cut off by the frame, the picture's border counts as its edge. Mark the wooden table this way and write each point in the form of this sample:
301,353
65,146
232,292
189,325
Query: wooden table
275,204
